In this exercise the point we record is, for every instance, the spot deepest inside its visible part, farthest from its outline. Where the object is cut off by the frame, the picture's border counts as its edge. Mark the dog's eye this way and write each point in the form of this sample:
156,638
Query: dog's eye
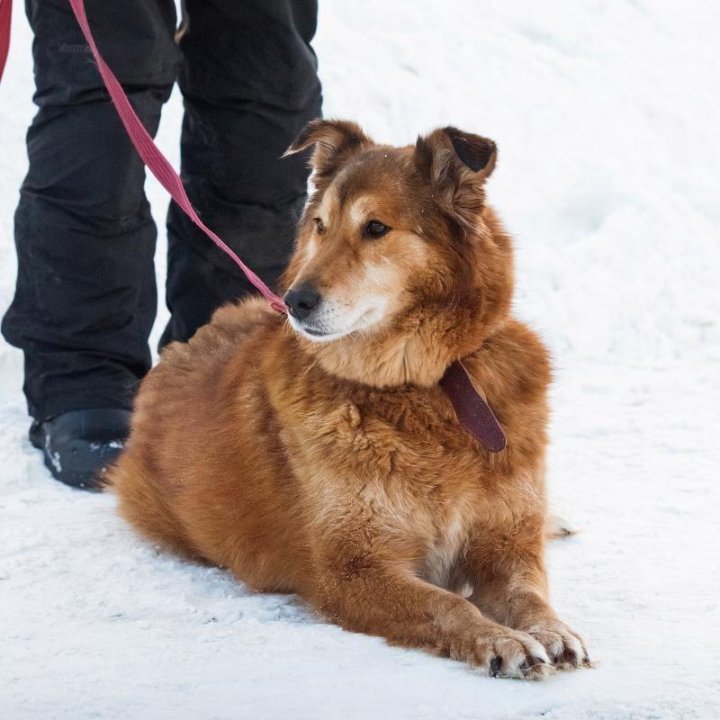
320,225
376,229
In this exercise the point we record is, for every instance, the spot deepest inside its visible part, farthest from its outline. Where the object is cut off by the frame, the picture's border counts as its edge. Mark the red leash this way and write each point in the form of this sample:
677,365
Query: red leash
472,411
5,18
157,163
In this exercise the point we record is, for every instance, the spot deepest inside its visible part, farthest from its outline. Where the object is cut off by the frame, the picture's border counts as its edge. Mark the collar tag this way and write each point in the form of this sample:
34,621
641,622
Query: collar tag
473,413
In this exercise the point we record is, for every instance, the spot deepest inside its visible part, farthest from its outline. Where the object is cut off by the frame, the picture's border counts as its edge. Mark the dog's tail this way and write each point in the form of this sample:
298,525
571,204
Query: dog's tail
557,527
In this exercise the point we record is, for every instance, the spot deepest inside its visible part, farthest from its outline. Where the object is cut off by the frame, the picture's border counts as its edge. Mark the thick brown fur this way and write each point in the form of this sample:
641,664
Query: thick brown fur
338,470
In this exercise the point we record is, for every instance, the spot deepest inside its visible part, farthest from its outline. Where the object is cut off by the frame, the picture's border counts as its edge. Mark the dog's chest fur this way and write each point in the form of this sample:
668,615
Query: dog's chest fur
440,567
401,465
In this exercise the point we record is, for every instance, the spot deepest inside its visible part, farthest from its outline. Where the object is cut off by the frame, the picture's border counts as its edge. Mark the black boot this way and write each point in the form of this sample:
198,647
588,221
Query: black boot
79,445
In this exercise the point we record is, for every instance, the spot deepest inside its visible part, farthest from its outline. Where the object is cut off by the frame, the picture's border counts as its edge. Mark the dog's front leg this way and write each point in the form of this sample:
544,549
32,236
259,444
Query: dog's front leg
365,593
510,585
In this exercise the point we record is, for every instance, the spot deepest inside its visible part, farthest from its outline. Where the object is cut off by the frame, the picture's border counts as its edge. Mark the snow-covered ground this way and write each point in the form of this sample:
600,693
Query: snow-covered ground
606,114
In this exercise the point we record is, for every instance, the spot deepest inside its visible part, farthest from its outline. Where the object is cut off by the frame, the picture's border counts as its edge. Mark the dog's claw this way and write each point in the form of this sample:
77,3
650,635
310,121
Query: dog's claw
495,664
568,657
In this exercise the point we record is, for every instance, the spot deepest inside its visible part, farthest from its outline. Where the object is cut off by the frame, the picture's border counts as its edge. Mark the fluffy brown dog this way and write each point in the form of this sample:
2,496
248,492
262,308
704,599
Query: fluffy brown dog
320,456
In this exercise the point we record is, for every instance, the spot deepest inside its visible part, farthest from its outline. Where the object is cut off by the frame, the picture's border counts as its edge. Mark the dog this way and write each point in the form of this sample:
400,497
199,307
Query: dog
317,454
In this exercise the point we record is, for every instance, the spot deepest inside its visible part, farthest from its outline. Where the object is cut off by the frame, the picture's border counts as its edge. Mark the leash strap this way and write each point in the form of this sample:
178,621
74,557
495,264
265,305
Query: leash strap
5,22
156,162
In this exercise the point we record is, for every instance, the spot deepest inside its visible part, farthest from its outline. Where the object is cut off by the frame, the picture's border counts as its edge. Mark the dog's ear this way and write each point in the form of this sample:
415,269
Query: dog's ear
457,164
333,141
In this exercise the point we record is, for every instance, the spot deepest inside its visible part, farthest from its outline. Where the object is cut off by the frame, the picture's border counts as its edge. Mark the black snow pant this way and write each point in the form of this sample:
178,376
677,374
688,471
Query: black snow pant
86,298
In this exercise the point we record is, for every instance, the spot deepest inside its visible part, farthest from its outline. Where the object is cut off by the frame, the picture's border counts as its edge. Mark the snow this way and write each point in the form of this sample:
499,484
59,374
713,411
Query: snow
606,116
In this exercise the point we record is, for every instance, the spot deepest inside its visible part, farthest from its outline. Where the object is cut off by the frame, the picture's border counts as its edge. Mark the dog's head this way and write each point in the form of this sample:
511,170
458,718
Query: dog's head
399,267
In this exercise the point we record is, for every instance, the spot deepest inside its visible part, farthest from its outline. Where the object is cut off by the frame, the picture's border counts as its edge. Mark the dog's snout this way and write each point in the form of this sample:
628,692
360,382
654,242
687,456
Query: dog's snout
302,301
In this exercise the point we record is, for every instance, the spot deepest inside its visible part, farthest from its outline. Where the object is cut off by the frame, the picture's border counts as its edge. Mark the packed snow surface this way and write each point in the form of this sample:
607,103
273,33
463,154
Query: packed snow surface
606,115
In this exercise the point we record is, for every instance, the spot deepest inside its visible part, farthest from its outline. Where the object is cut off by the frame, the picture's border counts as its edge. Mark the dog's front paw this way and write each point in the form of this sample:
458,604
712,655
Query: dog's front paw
564,646
512,654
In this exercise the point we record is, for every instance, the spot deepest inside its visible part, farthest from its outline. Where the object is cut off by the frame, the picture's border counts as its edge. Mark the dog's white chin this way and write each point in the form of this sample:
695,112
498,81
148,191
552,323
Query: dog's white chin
322,335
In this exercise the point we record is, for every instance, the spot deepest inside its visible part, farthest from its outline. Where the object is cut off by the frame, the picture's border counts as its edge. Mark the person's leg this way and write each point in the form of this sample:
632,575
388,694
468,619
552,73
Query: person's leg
85,298
250,84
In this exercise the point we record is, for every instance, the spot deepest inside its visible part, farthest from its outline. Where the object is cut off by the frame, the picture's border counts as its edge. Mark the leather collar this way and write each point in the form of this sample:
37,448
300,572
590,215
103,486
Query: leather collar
472,411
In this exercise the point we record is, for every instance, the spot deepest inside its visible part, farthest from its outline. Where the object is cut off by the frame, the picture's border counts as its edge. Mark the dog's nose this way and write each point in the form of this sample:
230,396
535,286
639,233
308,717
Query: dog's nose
302,301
